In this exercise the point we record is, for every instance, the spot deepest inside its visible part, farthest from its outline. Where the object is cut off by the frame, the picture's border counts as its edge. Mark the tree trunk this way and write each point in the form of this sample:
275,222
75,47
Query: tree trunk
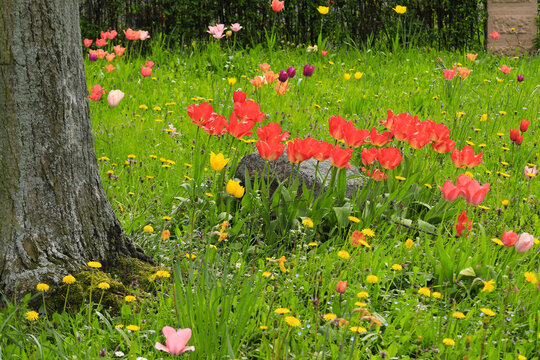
54,214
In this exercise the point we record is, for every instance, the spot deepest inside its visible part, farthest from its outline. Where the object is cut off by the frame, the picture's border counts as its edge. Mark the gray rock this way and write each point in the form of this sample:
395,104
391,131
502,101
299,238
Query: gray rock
281,168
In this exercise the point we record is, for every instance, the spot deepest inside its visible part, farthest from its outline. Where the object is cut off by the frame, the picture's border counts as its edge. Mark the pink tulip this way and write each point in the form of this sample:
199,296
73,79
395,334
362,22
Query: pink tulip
236,27
524,242
509,238
146,71
149,64
87,42
474,193
114,97
175,341
277,5
494,35
449,74
143,35
505,69
450,192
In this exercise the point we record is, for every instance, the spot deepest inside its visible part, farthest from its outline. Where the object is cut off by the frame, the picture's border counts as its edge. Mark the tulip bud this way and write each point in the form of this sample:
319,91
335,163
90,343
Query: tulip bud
92,57
523,126
341,286
114,97
514,133
520,78
308,70
291,72
283,76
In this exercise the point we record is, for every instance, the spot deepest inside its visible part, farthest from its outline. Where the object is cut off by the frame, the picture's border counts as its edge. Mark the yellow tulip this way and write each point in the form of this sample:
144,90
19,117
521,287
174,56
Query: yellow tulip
400,9
234,188
347,76
358,75
323,9
218,162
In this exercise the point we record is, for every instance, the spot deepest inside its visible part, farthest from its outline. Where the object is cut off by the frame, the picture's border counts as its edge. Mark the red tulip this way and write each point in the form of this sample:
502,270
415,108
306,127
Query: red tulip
215,125
474,193
341,286
355,137
272,131
494,35
338,126
463,223
96,93
450,192
239,96
146,71
463,181
389,158
377,175
239,129
436,131
101,42
340,157
379,139
418,140
523,126
277,5
248,111
519,140
87,42
444,146
514,133
322,151
149,64
369,156
201,113
509,238
449,74
301,150
466,157
271,149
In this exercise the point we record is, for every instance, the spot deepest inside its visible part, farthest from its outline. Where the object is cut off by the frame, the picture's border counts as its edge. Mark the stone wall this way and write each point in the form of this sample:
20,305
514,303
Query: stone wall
515,21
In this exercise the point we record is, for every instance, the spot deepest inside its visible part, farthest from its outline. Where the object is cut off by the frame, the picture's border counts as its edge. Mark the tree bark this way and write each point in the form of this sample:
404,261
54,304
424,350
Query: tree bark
54,213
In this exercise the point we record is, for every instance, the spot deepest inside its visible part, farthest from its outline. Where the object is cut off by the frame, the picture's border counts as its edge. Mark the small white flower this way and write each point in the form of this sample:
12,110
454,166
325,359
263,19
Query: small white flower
238,265
118,353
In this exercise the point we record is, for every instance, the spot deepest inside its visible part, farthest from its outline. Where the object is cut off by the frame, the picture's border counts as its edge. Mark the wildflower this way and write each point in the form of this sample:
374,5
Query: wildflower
292,321
436,295
448,342
307,222
217,162
397,267
400,9
458,315
313,244
266,274
424,291
190,256
343,254
130,298
323,9
531,277
42,287
368,232
282,311
360,304
487,311
176,341
162,274
133,327
488,285
329,317
68,279
31,315
372,279
341,286
358,329
165,235
148,229
118,326
104,286
263,327
354,219
118,353
409,243
530,172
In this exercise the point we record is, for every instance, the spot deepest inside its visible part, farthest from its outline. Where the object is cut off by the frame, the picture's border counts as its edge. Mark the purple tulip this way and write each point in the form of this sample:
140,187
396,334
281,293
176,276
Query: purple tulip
283,76
521,78
308,70
92,57
291,72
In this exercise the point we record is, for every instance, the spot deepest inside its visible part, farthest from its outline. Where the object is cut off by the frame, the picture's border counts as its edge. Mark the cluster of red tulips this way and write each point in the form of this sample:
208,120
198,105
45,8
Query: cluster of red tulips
466,187
515,136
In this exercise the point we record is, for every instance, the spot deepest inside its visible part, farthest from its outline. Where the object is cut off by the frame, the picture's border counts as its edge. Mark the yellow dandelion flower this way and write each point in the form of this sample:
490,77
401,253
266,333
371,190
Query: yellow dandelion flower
307,222
368,232
133,327
428,186
521,357
143,106
69,279
31,315
323,9
282,311
505,203
104,286
360,304
354,219
448,342
157,108
397,267
263,327
292,321
400,178
343,254
130,298
42,287
424,291
497,241
190,256
119,326
329,317
436,295
148,229
266,274
372,279
358,329
313,244
531,277
488,285
409,243
163,274
487,311
363,295
458,315
94,264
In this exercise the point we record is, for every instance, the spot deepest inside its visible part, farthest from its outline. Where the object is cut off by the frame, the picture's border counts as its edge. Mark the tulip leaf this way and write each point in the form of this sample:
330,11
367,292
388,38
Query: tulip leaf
467,272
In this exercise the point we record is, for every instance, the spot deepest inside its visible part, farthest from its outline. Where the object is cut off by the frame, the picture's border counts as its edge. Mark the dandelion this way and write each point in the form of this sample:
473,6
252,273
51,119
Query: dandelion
313,244
362,295
118,326
358,329
329,317
458,315
133,327
104,286
282,311
190,256
162,274
400,9
409,243
42,287
488,285
31,315
372,279
397,267
130,298
307,222
531,277
263,327
292,321
368,232
487,311
354,219
436,295
360,304
165,235
424,291
266,274
448,342
343,254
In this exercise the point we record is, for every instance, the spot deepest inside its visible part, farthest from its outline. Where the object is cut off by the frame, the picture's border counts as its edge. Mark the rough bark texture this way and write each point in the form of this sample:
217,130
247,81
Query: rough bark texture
54,214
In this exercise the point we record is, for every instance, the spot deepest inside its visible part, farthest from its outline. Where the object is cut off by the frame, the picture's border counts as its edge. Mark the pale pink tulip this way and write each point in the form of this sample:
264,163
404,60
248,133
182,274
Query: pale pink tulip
524,242
175,341
114,97
236,27
143,35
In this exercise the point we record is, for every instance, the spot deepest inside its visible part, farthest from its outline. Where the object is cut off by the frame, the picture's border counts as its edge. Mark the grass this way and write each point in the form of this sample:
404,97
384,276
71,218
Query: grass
417,291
